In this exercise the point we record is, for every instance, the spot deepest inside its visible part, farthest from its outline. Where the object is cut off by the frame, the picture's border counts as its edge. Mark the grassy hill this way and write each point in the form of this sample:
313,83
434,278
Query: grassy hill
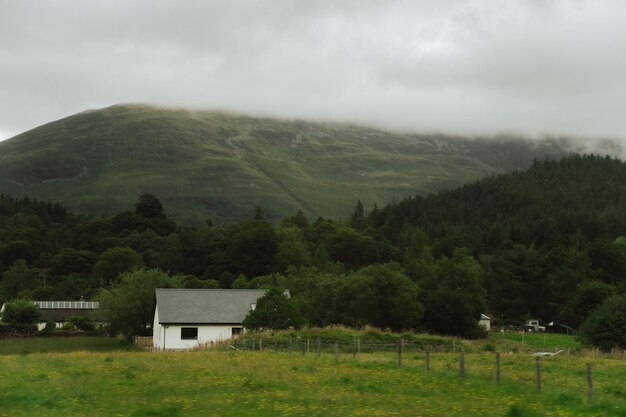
205,164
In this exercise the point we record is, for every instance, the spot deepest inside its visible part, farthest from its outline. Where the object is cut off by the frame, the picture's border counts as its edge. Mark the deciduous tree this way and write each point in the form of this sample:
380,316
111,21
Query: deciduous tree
128,307
606,325
274,311
21,315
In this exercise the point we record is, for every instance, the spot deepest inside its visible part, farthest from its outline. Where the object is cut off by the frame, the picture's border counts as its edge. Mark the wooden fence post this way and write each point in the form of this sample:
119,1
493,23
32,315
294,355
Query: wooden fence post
260,344
308,346
589,382
253,345
538,372
498,368
336,351
399,354
319,346
427,359
358,345
462,363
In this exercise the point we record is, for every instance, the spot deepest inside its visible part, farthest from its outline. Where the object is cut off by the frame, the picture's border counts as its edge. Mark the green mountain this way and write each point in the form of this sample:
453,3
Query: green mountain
206,164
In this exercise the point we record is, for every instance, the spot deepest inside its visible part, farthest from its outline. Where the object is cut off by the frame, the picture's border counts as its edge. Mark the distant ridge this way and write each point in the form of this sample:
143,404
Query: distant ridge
218,165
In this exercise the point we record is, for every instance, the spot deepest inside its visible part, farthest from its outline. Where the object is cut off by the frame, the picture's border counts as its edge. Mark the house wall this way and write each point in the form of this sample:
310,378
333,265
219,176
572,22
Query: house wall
485,323
170,337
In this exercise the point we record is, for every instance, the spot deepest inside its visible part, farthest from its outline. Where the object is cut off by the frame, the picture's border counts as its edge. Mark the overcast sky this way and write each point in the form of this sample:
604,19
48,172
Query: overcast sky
466,67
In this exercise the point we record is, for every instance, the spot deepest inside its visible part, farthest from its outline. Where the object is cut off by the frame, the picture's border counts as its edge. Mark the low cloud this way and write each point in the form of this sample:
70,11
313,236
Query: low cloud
531,67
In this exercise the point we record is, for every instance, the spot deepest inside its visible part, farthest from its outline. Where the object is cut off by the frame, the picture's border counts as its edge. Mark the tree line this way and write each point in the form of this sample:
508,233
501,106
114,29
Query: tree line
546,243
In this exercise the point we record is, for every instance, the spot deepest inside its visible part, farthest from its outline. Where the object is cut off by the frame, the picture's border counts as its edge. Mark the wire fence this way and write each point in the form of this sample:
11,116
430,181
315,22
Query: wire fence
438,358
320,346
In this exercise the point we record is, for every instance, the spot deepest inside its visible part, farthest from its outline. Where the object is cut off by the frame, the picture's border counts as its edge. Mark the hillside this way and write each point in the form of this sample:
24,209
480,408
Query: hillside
578,194
204,164
546,238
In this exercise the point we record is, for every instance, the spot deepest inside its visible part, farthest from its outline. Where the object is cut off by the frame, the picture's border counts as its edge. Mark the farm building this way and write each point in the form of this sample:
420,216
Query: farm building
188,318
60,312
485,321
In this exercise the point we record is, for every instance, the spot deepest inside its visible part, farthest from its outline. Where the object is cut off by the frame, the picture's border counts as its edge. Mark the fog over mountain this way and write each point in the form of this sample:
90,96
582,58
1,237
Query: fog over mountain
530,67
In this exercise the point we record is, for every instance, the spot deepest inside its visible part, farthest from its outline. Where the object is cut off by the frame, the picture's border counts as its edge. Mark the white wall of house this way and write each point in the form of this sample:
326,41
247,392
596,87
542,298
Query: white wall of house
485,323
170,336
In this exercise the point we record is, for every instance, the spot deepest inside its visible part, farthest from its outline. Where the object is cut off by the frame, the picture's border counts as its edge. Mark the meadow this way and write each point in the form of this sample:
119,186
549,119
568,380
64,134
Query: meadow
269,383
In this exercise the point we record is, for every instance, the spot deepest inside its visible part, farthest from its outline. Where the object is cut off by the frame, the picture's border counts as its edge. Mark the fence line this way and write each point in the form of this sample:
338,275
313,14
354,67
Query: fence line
318,345
355,347
399,350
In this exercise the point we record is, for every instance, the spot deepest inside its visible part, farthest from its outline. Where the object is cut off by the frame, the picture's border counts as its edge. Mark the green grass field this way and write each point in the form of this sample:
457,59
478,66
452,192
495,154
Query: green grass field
267,383
27,345
537,341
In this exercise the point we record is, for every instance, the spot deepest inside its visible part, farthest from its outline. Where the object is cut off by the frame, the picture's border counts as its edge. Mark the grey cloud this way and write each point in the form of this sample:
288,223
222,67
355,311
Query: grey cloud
462,67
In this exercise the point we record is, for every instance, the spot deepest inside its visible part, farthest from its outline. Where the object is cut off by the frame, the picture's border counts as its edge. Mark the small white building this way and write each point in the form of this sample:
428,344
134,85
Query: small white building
188,318
485,321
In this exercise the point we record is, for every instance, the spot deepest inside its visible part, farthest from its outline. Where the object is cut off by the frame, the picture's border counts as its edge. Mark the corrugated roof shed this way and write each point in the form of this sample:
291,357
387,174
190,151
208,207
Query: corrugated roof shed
195,306
65,310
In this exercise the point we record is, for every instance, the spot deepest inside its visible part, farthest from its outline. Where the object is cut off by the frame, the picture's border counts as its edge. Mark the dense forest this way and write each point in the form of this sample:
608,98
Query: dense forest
546,243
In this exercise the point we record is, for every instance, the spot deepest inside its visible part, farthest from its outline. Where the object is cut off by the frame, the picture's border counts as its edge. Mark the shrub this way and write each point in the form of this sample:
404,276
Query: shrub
21,315
605,327
84,324
49,329
489,347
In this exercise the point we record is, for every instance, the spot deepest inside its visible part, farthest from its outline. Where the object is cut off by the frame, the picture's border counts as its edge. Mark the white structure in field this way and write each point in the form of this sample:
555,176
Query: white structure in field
188,318
485,321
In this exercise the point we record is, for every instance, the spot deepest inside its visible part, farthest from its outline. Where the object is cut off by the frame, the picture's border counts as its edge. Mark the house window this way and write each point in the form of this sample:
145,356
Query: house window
187,333
236,331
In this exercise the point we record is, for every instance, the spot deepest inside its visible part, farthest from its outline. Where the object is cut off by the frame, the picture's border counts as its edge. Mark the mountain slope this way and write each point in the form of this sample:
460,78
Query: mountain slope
216,165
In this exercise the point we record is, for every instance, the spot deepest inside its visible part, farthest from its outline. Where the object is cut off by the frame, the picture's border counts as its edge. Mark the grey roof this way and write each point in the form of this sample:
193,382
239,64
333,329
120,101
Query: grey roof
193,306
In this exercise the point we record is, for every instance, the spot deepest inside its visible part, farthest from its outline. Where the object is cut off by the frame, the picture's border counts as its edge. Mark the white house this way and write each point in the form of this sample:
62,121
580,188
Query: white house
188,318
485,321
